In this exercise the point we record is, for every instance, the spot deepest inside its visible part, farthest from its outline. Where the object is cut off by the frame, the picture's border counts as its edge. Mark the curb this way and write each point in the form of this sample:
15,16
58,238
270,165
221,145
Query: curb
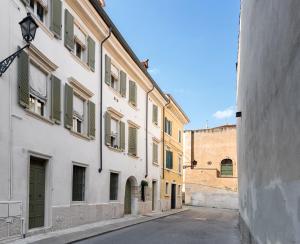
73,237
129,225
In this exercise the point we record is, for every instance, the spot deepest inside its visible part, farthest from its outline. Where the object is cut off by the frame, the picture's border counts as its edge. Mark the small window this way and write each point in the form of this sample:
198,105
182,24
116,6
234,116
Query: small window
114,138
155,153
155,114
37,106
179,164
132,141
78,114
80,41
38,9
167,188
179,136
78,193
179,190
169,159
38,81
168,126
226,167
115,73
113,187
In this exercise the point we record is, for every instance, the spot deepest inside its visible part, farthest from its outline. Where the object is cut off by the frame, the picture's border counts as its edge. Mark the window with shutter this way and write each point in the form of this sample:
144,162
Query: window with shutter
132,141
122,135
23,79
107,70
91,53
155,114
69,30
155,153
123,78
132,93
56,18
78,191
39,9
91,119
113,186
68,118
169,159
56,99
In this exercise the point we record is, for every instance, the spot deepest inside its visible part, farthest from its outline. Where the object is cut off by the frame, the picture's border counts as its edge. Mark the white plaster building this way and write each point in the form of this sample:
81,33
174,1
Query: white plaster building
55,171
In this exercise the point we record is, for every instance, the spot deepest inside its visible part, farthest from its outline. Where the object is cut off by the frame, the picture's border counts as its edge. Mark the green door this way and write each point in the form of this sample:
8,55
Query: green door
127,207
37,193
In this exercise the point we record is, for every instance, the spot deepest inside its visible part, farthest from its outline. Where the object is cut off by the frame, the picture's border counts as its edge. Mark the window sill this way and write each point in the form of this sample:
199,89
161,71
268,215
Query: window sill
78,203
133,156
115,149
227,176
83,64
155,164
39,117
74,133
41,24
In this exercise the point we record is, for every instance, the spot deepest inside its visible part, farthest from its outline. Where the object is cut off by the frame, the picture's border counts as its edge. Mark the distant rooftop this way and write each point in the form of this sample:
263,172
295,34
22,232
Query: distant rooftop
214,129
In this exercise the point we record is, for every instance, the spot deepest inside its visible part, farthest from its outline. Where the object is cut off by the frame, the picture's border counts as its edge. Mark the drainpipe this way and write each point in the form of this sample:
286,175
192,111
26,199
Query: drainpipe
101,97
192,148
164,126
147,103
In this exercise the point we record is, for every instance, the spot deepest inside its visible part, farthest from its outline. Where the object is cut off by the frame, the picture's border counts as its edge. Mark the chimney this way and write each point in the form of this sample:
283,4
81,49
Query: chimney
102,3
145,63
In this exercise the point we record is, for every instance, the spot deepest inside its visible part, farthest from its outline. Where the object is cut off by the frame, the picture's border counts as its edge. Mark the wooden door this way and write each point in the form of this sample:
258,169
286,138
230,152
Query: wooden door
173,196
36,193
127,204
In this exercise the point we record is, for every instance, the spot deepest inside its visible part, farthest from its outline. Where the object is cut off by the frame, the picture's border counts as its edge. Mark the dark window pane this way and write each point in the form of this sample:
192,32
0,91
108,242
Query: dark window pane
40,11
78,183
32,4
113,191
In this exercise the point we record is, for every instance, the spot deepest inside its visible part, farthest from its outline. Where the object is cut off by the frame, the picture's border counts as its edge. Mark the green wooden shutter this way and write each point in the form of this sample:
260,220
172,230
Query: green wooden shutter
155,153
123,83
132,141
23,79
132,92
107,128
56,17
171,160
91,119
122,135
55,96
69,30
155,114
68,106
91,53
107,70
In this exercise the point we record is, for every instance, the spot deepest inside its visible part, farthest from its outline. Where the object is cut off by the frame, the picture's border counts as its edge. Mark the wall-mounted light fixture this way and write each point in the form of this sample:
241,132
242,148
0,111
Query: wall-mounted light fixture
238,114
28,29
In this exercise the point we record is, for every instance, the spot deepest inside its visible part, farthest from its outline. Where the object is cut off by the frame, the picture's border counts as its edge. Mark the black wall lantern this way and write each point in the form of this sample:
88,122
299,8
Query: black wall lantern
192,166
28,28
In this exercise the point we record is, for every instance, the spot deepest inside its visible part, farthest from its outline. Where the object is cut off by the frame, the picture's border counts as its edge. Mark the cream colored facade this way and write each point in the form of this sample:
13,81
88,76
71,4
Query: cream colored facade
172,177
214,149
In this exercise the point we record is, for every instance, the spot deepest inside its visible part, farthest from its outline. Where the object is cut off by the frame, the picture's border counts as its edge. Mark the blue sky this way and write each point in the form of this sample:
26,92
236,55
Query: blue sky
192,47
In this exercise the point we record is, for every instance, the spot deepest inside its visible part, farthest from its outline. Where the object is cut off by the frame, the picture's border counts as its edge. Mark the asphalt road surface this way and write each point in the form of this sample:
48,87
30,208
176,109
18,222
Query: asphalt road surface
197,225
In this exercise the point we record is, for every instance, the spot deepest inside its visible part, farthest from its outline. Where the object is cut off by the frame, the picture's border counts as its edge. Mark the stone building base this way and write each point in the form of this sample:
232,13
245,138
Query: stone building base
246,235
66,217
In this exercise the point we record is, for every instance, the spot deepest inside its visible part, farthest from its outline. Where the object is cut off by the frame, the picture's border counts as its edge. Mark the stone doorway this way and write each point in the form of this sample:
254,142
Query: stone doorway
131,199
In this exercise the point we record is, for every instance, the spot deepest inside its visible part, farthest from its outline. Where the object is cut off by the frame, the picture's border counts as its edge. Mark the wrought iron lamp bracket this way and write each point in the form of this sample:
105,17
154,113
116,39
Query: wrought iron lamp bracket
4,64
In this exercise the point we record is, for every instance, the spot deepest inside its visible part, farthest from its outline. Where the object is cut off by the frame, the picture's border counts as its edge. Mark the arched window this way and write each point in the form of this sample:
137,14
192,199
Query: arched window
226,167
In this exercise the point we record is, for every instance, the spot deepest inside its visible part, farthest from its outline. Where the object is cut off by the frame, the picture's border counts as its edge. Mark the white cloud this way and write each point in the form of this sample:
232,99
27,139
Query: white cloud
225,114
153,71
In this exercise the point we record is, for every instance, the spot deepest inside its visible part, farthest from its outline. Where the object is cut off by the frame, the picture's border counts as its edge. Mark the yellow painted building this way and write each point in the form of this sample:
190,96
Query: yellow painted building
172,168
